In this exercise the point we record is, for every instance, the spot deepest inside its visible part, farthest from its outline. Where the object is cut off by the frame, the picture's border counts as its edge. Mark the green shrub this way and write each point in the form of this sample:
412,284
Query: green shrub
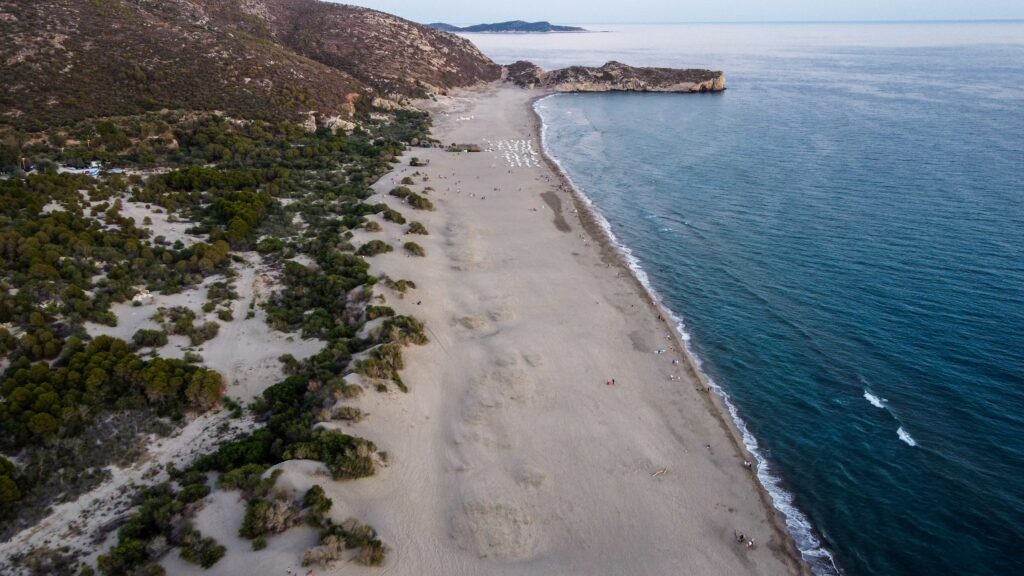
352,535
145,338
372,226
374,312
199,550
318,503
415,249
255,522
249,480
347,413
10,493
392,215
383,362
417,228
270,245
411,198
404,330
208,331
419,202
400,286
373,248
193,493
220,292
346,457
401,191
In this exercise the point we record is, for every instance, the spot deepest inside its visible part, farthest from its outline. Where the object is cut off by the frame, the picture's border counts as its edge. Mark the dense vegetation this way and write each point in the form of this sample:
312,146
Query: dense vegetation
43,402
54,239
69,253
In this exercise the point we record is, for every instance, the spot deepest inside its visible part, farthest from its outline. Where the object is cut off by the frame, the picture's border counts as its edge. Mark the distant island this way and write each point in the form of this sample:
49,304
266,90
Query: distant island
512,27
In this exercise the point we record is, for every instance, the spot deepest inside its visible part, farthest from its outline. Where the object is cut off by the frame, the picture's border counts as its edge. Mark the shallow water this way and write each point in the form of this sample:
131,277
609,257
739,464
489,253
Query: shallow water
842,233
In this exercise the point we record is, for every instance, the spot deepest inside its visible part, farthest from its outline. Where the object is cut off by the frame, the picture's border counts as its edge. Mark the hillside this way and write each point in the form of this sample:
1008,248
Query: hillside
511,27
63,60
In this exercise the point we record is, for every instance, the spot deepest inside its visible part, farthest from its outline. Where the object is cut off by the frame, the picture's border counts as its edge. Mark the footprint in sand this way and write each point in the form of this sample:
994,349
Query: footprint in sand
466,257
507,361
531,477
502,314
494,530
533,359
494,390
476,324
464,248
514,384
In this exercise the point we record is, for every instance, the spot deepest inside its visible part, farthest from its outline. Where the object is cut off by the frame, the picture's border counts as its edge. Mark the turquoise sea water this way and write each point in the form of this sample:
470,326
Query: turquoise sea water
842,235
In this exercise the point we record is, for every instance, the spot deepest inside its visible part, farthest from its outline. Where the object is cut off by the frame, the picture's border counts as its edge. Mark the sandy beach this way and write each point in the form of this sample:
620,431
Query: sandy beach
513,453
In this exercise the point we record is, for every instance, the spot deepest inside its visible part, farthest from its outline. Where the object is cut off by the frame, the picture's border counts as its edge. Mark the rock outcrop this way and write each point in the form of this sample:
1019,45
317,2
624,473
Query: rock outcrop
615,77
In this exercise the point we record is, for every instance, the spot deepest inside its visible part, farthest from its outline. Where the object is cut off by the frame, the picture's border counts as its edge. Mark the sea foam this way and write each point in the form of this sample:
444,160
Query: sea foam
905,436
874,400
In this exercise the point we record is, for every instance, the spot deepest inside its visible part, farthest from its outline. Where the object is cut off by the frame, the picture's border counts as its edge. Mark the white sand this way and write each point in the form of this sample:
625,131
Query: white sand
160,224
510,454
245,350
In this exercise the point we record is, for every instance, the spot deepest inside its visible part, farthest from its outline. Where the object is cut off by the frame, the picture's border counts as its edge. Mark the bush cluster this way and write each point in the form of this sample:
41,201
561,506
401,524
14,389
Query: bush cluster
40,401
161,521
412,199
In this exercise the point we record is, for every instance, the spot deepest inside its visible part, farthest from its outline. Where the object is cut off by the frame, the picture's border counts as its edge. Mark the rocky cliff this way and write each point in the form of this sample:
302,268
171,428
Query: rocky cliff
615,77
64,60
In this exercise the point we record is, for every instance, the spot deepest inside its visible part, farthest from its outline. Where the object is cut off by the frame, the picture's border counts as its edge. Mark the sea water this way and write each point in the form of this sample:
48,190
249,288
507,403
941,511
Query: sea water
841,234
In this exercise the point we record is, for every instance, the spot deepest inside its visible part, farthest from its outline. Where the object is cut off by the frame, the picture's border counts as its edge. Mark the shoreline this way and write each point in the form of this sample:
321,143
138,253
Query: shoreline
719,405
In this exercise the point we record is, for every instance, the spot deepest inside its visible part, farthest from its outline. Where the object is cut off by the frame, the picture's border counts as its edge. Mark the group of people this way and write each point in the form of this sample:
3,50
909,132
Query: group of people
741,539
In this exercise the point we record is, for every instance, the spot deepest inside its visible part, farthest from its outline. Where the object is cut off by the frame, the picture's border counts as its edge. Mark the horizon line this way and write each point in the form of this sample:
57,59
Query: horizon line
928,21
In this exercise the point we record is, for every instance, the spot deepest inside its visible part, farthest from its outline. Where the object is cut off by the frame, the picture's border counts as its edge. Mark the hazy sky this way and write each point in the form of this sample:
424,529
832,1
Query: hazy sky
604,11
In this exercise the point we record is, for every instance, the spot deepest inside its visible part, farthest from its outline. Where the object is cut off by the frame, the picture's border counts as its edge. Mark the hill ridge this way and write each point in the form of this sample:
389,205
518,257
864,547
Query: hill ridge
64,60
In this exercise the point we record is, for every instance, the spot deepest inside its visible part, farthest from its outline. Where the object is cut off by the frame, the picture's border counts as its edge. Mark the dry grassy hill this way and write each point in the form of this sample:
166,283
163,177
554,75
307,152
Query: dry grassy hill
64,60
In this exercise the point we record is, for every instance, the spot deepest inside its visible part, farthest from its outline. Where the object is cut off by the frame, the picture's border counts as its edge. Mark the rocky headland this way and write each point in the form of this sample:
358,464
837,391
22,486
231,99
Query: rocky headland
512,27
614,77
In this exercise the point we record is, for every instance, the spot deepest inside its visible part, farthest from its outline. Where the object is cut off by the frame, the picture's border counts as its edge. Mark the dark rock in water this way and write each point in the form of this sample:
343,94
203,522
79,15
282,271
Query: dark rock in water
615,77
